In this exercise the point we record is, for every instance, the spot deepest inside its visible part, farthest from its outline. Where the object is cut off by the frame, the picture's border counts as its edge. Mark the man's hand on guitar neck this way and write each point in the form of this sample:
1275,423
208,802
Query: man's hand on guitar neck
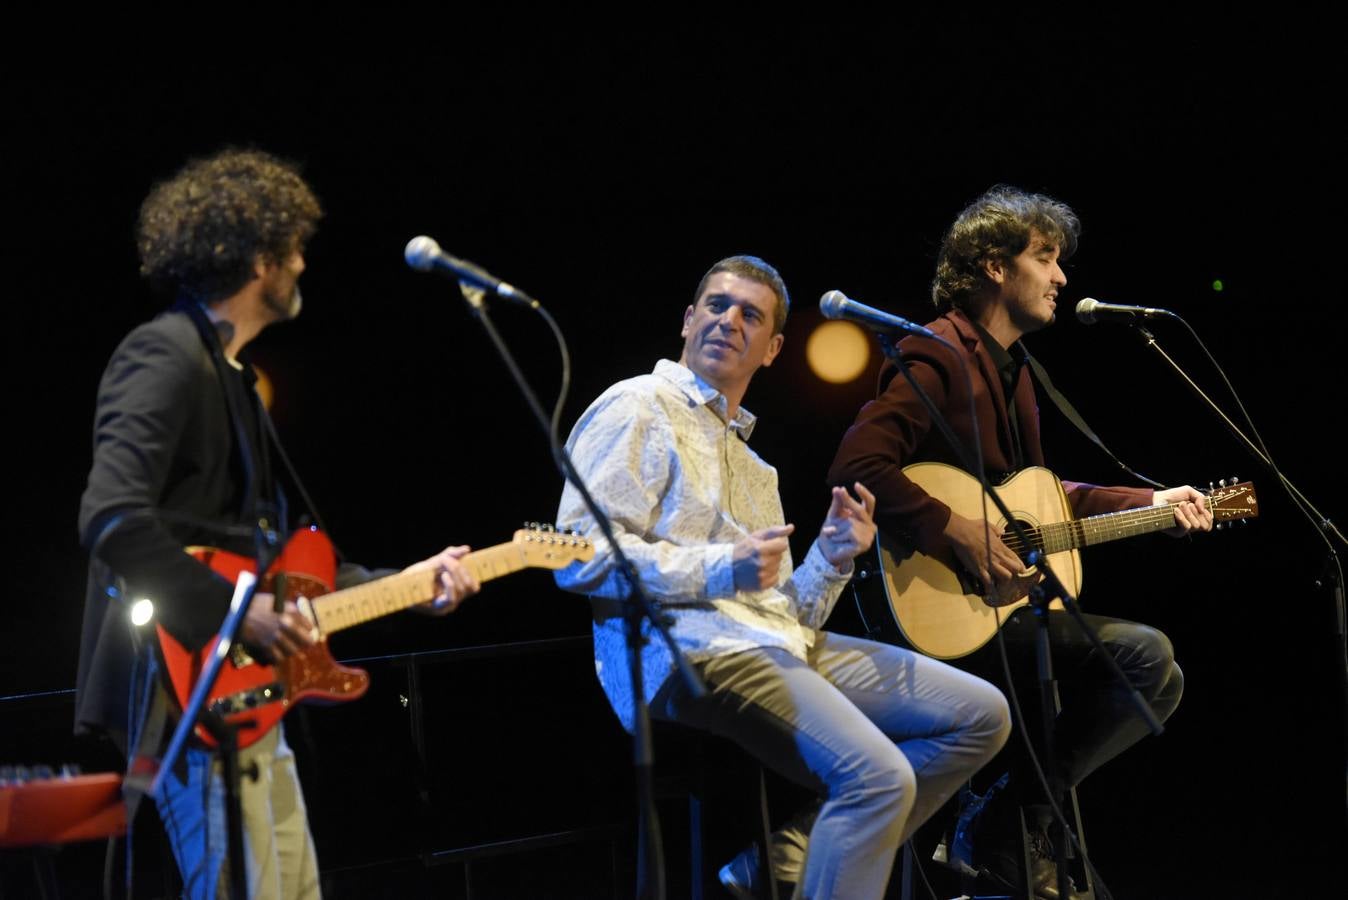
1191,510
1003,574
456,582
275,635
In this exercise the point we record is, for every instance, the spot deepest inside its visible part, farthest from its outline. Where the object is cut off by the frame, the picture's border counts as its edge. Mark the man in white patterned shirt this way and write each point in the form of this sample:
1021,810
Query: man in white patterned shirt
882,735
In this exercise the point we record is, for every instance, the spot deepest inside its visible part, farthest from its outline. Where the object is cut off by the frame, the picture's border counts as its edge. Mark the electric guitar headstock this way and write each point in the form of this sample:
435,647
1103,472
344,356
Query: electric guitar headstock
546,547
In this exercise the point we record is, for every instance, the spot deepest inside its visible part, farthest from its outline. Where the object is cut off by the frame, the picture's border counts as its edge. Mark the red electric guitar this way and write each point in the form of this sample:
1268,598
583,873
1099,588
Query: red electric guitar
254,696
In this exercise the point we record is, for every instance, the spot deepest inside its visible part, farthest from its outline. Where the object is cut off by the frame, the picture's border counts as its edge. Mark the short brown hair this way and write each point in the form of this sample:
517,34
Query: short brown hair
753,269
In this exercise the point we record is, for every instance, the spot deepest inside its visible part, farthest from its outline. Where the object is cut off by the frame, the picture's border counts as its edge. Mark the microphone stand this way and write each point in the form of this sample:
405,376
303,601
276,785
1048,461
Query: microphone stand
267,543
1043,593
650,853
1332,576
225,733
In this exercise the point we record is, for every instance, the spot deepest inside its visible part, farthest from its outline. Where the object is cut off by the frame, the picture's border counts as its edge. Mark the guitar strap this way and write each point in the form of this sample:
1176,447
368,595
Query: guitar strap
269,439
1068,410
274,440
209,337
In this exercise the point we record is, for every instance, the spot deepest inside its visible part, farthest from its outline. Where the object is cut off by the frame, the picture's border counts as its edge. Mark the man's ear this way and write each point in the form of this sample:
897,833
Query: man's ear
995,269
774,347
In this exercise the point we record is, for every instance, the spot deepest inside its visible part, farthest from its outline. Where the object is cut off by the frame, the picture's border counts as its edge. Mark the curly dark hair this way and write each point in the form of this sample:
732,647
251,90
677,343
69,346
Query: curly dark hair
998,225
751,268
201,231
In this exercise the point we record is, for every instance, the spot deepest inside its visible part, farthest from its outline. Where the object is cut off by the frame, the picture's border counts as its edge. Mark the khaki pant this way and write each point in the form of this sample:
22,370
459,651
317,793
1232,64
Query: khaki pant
278,848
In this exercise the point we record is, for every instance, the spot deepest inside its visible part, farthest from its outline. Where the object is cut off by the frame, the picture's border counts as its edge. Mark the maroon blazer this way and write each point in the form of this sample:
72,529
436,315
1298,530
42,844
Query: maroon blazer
895,430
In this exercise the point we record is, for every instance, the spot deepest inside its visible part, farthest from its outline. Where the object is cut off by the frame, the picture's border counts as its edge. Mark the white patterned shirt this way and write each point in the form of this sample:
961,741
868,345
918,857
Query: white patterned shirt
682,486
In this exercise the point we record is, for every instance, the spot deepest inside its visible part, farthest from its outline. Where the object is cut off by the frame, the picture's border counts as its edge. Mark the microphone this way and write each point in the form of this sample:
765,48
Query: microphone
1091,311
837,305
424,254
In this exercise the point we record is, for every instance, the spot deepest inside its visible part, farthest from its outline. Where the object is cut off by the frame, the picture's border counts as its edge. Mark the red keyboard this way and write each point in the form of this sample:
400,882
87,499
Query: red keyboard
36,809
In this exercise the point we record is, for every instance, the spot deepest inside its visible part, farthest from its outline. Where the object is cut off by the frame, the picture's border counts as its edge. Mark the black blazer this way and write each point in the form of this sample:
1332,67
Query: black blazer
164,439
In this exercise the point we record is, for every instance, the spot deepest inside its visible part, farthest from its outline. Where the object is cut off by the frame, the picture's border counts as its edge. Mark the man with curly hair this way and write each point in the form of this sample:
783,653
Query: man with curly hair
182,452
998,278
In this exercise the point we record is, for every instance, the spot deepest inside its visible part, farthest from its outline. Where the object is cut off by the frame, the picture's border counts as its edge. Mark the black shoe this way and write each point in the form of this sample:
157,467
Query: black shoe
1004,865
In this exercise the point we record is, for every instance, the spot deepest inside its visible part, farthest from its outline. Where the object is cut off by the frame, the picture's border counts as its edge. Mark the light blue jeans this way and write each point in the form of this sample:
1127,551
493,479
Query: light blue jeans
884,735
278,848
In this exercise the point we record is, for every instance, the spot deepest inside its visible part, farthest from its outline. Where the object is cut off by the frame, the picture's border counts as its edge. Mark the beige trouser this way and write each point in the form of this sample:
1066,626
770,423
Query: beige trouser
278,848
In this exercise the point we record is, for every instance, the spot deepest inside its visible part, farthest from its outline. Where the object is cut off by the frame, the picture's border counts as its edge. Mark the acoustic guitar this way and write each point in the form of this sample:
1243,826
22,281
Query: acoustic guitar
946,612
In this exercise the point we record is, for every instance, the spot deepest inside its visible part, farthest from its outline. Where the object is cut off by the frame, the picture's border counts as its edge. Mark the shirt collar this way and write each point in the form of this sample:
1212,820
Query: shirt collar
1008,360
700,393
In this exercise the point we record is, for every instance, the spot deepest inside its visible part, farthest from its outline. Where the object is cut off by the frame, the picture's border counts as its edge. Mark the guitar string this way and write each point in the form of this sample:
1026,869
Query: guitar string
365,602
1079,530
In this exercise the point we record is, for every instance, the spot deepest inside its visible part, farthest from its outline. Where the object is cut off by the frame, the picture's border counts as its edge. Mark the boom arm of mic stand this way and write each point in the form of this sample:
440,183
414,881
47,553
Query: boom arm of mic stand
244,589
268,547
568,471
1325,525
223,732
650,863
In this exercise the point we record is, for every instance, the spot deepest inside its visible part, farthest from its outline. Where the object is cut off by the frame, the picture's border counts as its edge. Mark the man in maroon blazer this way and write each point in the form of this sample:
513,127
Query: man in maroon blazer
997,279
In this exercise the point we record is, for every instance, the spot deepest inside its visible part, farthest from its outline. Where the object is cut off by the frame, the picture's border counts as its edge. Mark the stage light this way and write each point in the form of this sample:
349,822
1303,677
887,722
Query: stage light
1217,285
142,611
838,352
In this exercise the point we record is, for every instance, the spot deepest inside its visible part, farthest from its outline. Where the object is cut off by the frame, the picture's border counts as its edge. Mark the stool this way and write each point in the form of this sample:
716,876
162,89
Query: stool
674,742
1077,869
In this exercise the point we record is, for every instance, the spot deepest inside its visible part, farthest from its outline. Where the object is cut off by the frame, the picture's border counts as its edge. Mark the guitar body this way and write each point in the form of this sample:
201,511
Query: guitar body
248,693
944,611
940,608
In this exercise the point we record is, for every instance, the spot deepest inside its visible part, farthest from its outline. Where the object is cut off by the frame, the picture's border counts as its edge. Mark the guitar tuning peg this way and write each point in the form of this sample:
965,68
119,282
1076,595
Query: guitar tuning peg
1219,526
1221,482
1211,487
547,526
1233,479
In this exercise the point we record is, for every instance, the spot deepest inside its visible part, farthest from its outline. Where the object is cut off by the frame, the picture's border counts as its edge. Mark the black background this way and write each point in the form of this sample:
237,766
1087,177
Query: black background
603,171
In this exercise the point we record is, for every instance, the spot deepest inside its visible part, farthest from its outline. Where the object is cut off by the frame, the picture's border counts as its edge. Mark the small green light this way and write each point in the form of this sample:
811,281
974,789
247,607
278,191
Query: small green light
1217,285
